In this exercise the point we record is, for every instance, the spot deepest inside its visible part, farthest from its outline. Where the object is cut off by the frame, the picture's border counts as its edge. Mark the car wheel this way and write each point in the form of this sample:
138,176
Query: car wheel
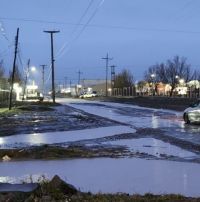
186,118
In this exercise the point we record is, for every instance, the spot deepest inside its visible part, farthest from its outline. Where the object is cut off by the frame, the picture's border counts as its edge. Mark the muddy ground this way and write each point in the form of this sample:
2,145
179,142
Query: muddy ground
40,118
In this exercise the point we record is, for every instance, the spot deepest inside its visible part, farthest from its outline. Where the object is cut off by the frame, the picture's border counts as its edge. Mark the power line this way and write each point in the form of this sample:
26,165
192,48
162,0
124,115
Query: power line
74,30
85,25
108,26
49,75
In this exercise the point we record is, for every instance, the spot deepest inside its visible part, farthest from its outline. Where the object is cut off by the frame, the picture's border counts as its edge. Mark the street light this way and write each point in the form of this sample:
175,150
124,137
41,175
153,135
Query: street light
153,84
181,81
27,72
33,68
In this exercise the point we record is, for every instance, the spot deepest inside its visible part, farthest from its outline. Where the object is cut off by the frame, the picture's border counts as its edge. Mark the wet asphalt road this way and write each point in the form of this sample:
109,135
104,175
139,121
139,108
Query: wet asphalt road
169,121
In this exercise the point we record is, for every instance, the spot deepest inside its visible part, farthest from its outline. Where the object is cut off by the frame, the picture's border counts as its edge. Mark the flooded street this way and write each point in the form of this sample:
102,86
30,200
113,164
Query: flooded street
162,156
139,117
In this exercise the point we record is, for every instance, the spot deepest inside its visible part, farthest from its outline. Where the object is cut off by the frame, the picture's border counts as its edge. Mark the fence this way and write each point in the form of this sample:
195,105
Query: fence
132,91
125,91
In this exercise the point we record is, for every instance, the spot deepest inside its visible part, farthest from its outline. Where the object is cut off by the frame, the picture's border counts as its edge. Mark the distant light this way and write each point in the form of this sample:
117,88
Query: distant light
17,88
176,76
153,75
79,86
32,87
109,89
89,89
181,81
33,69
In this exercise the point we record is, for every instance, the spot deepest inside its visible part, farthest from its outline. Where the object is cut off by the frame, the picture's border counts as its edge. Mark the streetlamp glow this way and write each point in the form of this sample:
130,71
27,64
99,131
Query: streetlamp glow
153,84
33,68
181,81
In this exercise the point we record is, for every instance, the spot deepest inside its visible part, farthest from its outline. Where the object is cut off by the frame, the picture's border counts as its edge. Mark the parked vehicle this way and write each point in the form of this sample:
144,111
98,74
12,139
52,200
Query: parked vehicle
88,95
192,114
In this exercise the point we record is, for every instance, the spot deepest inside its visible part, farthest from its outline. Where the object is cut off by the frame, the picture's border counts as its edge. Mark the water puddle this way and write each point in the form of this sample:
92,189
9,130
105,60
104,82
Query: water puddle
107,175
141,117
154,147
134,115
61,137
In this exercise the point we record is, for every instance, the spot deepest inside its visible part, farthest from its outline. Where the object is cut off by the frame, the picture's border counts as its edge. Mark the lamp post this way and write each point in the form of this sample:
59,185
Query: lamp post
33,69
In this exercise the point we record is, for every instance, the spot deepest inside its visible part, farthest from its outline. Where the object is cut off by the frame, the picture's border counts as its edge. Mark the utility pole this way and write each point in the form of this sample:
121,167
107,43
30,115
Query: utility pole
43,67
52,63
13,72
26,78
79,76
65,84
107,60
112,77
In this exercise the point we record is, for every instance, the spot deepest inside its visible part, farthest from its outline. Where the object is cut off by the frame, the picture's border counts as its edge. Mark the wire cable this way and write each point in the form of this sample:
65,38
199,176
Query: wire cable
84,27
76,27
109,26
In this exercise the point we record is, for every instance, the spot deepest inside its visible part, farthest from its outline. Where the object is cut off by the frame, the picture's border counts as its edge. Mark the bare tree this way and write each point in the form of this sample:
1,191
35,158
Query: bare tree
196,75
124,79
171,72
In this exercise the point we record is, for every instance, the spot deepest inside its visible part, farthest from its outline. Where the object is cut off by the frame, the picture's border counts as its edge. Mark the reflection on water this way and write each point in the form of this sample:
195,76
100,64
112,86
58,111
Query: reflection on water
154,121
154,147
61,137
129,175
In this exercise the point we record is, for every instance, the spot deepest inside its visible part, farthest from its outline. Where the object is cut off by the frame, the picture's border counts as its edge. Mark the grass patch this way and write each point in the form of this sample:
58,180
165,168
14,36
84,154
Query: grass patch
20,107
56,152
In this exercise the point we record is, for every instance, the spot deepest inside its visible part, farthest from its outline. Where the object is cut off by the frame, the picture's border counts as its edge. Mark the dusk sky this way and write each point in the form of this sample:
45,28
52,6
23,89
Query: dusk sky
136,33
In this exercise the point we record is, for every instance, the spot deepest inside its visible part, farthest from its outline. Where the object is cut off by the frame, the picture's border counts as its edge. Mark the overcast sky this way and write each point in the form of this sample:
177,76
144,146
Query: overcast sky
135,33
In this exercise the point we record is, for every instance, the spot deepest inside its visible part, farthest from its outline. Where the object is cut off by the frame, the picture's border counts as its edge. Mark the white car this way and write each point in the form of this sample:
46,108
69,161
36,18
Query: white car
192,114
88,95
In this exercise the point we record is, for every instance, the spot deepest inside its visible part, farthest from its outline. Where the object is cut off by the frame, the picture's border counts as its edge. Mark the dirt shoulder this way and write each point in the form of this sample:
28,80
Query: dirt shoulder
178,104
